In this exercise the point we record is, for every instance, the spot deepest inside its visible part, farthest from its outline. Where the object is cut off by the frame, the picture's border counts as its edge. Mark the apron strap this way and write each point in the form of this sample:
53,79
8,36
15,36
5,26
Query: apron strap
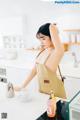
62,78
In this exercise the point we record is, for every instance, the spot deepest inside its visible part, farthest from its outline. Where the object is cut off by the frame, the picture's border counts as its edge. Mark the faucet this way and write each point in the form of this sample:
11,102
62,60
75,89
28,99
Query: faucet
76,62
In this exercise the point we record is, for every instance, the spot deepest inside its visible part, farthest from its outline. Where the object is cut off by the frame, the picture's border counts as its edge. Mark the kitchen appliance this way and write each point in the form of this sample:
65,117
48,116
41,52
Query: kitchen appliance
3,77
75,108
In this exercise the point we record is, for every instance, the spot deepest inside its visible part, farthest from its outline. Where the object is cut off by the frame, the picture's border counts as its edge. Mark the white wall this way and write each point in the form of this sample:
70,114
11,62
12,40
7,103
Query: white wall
11,25
35,12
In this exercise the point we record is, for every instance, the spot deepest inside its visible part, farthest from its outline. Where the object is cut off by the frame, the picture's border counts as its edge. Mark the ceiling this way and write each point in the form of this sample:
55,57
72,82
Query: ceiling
21,7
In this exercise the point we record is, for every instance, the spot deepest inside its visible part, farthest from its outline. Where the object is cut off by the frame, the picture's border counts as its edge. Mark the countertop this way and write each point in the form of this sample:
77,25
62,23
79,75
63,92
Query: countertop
21,110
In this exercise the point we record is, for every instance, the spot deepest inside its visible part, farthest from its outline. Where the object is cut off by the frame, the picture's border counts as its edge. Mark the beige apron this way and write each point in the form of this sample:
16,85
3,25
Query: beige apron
48,81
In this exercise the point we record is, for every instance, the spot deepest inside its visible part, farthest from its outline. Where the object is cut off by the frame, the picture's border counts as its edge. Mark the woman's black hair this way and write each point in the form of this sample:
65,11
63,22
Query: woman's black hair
44,29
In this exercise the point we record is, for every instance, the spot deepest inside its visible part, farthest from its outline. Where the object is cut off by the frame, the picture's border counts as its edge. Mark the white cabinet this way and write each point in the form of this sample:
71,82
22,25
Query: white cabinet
13,74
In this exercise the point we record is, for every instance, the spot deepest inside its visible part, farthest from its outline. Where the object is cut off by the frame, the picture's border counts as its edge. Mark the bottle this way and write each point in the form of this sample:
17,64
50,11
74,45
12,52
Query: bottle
51,109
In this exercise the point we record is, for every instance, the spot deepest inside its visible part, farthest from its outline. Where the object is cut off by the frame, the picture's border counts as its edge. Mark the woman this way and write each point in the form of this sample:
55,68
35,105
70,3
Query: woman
49,58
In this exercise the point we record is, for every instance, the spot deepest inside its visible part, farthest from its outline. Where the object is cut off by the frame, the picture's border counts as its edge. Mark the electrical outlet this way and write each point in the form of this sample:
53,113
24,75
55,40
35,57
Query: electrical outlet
3,80
2,71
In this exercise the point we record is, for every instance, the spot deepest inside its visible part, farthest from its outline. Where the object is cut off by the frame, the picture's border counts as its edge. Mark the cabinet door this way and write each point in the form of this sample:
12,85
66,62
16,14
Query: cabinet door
17,75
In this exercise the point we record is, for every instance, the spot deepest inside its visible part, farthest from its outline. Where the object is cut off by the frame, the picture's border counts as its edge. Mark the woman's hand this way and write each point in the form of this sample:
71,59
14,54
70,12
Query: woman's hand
53,29
17,88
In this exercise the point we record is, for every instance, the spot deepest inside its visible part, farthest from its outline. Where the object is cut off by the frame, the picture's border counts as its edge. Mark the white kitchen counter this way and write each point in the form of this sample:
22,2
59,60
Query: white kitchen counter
30,110
18,110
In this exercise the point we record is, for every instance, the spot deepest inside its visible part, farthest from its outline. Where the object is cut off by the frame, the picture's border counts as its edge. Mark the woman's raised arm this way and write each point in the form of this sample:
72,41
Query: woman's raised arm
54,59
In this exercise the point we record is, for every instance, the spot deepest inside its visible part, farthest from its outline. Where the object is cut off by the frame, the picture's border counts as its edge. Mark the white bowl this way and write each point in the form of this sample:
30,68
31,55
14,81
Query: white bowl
24,96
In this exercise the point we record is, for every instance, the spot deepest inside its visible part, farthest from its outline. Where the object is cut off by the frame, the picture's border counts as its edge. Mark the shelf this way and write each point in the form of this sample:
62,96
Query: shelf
67,44
71,30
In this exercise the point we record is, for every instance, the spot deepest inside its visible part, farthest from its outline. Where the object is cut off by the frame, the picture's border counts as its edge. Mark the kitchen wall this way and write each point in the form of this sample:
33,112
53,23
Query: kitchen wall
23,17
